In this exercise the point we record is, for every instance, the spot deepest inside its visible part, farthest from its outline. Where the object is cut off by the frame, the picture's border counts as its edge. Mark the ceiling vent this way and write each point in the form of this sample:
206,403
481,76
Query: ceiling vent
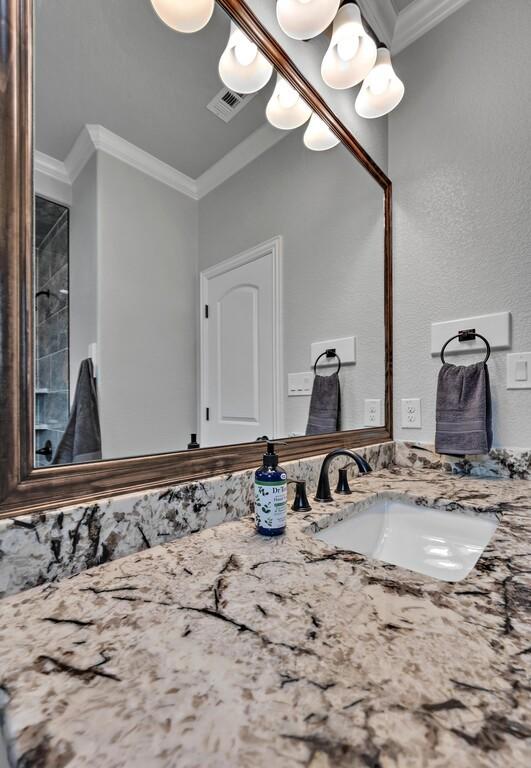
226,104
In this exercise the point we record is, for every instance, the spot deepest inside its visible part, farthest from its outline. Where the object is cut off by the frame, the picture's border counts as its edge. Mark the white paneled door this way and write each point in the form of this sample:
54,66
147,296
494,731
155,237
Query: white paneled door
241,356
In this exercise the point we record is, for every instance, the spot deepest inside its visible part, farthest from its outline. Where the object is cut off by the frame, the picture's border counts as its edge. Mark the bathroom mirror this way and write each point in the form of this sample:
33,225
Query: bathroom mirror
191,267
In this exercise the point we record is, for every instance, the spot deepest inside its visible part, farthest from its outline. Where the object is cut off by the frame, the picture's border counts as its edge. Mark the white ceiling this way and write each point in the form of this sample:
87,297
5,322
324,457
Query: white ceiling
113,63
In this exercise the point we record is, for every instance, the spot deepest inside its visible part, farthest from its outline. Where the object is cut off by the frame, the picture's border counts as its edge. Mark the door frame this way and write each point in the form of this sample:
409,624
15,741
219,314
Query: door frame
273,246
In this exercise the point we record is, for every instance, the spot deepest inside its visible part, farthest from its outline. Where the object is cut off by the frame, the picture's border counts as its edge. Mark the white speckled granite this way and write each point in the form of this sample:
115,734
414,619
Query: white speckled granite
499,462
53,545
228,650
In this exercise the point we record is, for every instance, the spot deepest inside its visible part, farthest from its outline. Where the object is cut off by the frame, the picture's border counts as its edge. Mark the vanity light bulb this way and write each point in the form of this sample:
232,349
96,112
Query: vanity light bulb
287,96
348,48
352,52
184,15
303,19
378,81
245,52
242,67
286,109
382,89
318,135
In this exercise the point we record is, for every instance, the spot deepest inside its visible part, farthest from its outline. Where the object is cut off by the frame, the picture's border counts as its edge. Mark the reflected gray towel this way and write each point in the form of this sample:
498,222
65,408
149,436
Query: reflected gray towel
325,406
464,419
81,440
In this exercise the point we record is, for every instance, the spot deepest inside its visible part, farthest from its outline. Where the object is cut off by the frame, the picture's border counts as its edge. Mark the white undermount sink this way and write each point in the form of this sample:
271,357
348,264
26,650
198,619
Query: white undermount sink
436,542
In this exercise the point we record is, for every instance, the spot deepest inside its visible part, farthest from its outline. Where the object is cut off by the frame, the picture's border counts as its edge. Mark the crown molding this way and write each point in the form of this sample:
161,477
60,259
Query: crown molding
112,144
244,153
398,30
51,180
94,138
382,17
51,167
79,155
418,18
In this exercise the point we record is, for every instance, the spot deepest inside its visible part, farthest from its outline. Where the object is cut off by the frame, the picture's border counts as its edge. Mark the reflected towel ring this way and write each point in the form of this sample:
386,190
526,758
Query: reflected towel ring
328,353
467,336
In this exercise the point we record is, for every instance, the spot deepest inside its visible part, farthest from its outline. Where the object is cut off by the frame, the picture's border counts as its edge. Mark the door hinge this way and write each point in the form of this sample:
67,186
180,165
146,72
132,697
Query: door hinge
206,311
208,414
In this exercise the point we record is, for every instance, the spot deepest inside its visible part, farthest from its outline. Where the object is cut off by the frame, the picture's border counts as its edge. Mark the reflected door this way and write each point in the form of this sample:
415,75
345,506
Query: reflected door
239,357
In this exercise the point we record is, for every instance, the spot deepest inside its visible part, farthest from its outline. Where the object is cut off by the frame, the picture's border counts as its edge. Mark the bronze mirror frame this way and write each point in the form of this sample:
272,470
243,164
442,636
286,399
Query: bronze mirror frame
24,489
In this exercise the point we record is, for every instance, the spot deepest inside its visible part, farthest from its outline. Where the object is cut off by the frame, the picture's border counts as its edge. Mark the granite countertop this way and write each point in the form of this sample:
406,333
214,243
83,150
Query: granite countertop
228,649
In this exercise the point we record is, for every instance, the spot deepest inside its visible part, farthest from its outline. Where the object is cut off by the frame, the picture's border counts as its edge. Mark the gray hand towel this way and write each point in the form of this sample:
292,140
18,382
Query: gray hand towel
464,417
325,406
81,440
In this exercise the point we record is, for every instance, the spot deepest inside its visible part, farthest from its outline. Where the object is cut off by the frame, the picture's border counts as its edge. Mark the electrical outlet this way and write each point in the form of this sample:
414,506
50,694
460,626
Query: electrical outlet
373,413
411,416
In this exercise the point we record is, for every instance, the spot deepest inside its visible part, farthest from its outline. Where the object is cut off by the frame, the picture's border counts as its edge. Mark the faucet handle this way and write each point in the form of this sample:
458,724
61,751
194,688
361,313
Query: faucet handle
342,481
300,503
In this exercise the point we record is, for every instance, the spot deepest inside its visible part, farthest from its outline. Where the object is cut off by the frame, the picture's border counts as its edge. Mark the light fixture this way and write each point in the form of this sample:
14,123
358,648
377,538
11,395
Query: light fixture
242,67
318,135
382,89
303,19
184,15
352,52
286,109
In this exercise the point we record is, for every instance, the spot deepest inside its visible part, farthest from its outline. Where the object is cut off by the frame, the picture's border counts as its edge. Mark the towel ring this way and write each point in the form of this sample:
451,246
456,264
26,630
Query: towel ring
328,353
467,336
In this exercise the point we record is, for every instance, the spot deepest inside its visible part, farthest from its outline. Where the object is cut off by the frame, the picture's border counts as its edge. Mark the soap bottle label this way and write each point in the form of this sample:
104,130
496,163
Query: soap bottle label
271,500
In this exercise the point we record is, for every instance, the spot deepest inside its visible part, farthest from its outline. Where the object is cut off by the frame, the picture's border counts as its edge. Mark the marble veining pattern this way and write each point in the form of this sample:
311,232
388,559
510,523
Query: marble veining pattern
226,649
53,545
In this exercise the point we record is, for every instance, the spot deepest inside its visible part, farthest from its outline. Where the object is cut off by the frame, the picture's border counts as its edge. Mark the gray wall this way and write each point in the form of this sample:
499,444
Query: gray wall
329,212
372,134
460,159
147,272
83,267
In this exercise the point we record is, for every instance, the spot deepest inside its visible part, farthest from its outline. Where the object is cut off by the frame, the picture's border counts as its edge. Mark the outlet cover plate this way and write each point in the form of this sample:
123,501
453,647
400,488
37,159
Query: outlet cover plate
411,414
373,413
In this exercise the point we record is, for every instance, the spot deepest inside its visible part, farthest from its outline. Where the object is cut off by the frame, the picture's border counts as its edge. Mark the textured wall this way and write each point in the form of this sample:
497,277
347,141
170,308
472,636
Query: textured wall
460,160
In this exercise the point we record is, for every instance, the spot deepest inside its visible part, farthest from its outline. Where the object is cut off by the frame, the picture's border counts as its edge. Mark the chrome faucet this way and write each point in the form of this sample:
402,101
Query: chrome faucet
323,487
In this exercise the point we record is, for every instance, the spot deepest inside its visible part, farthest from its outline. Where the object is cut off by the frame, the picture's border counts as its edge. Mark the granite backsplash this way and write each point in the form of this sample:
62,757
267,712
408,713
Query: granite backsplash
52,545
507,463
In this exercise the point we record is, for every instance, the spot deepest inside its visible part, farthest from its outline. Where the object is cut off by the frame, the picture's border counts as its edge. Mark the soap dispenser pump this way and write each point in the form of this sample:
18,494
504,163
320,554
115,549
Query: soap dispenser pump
271,495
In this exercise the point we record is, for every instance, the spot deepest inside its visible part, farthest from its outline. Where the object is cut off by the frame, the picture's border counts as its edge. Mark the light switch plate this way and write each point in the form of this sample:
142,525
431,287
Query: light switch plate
519,370
300,384
411,415
373,413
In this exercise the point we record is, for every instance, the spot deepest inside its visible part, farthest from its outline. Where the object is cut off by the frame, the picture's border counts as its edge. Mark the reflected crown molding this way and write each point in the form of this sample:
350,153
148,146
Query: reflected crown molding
381,15
398,30
51,179
244,153
50,171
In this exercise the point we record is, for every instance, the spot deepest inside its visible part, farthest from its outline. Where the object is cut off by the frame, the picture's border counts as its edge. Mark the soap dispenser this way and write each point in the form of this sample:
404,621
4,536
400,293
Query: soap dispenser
271,495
